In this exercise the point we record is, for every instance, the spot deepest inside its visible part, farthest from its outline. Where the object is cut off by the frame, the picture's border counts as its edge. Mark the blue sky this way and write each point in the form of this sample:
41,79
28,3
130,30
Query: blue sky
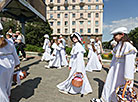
119,13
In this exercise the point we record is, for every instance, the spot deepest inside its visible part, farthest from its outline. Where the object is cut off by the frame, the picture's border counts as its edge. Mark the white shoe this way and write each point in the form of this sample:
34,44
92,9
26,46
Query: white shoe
24,59
63,91
59,68
46,66
95,100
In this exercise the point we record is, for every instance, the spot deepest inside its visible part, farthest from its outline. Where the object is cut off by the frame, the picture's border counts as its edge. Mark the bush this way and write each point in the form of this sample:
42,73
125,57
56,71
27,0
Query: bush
68,50
33,48
107,56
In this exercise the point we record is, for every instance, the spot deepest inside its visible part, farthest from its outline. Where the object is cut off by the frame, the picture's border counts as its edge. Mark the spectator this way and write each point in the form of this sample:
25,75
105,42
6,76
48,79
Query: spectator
21,44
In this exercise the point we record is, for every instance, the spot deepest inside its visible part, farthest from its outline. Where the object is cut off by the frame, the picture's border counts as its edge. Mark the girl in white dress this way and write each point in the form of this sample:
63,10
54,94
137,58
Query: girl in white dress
46,47
76,66
8,61
55,58
63,54
93,61
121,68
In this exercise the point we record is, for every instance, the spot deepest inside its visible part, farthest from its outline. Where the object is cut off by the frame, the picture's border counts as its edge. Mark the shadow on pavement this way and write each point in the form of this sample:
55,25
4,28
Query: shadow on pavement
27,66
106,69
100,84
25,90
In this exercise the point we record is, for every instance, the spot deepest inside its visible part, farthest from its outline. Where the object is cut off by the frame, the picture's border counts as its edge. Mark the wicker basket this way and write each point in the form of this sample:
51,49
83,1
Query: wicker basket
125,96
21,77
77,81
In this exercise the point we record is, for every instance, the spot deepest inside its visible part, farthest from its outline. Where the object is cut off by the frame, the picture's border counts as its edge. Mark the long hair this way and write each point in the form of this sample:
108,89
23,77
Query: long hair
3,42
93,47
124,39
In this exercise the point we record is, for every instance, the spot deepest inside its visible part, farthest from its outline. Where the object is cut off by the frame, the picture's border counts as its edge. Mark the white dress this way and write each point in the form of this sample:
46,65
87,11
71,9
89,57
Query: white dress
46,47
55,58
122,69
8,60
93,61
63,55
77,65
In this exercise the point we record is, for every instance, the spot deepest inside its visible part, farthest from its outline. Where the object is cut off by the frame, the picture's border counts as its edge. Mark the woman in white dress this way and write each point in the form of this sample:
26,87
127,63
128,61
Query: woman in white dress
93,61
55,58
63,54
8,61
76,66
46,47
121,68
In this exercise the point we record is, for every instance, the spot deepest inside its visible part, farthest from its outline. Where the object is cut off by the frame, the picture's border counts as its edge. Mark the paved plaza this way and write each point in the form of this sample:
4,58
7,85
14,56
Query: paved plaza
40,84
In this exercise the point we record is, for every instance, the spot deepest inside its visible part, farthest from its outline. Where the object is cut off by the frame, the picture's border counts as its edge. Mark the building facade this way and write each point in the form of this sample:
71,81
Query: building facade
83,16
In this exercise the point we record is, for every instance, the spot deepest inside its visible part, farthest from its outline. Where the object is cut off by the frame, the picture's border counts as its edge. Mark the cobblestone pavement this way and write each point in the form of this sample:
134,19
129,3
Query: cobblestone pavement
40,84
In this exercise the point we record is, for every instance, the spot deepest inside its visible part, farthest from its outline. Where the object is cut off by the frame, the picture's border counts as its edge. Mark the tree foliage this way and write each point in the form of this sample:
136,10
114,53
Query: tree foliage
133,35
9,24
35,31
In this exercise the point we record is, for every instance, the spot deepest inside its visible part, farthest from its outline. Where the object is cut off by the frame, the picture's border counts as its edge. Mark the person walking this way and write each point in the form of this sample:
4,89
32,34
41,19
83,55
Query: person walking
77,67
46,47
121,68
93,61
21,44
8,61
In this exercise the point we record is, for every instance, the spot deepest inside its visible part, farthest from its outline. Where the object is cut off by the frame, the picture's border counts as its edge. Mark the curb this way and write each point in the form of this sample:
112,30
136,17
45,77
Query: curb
40,54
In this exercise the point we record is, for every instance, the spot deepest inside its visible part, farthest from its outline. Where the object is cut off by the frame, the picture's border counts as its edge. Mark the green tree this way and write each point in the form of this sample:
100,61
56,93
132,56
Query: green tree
35,31
9,24
133,35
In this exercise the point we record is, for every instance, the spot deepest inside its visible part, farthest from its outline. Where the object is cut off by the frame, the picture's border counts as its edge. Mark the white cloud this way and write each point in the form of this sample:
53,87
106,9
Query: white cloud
130,23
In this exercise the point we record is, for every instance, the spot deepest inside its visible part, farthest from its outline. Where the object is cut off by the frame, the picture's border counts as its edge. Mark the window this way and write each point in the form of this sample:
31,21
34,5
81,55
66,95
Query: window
58,23
51,23
51,15
51,8
96,30
51,0
81,22
81,7
66,30
66,23
97,15
89,15
73,22
66,15
89,22
89,30
89,37
96,22
81,14
66,8
97,7
81,30
97,0
89,7
89,0
58,7
73,7
58,30
58,1
73,15
73,1
58,15
66,0
73,30
81,0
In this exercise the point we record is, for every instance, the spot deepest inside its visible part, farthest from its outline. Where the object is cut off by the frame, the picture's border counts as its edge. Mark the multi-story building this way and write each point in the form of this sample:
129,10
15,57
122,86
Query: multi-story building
83,16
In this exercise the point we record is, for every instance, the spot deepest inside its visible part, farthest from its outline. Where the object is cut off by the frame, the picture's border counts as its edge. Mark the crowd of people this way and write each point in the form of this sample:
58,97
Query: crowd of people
121,68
